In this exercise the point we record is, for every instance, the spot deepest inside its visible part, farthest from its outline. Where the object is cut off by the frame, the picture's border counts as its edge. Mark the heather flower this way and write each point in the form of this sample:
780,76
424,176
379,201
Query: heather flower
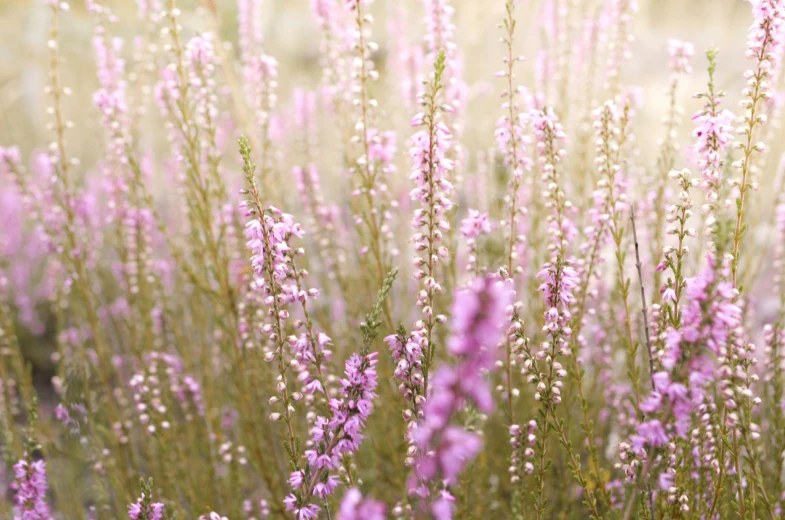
439,34
559,282
30,485
161,377
430,168
181,320
680,53
371,160
478,319
407,353
278,277
475,224
472,227
702,334
144,508
678,216
137,512
713,134
511,140
335,437
550,138
61,414
764,47
354,507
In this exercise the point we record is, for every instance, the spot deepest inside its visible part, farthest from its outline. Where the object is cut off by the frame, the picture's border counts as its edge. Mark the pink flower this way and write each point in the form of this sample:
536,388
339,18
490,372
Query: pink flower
479,314
144,510
339,435
475,224
30,483
680,53
354,507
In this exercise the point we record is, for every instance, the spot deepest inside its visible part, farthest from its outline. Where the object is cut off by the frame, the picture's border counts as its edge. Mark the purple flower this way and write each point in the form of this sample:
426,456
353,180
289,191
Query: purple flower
354,507
62,415
140,511
475,224
296,479
30,483
680,53
334,437
442,506
479,314
651,433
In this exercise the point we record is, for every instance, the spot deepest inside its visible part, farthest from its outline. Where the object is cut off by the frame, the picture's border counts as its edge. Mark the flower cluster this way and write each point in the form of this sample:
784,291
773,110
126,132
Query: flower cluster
30,484
213,516
336,438
478,317
559,281
475,225
713,134
764,47
277,276
355,507
371,161
407,353
550,138
674,256
522,451
680,53
688,361
439,38
432,190
160,380
430,169
138,511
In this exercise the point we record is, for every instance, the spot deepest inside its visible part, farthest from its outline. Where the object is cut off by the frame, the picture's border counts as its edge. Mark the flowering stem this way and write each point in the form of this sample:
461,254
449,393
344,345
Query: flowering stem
269,263
431,199
509,24
369,177
751,121
309,326
610,169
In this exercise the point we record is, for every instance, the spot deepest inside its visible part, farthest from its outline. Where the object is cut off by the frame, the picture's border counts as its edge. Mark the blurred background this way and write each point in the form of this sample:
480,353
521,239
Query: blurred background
291,35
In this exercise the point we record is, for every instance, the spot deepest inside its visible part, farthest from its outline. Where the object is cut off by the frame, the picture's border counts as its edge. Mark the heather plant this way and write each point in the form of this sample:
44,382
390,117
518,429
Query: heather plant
374,283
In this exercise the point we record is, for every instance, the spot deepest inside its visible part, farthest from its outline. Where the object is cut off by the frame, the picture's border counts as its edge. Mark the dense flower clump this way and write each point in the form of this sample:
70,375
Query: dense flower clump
420,290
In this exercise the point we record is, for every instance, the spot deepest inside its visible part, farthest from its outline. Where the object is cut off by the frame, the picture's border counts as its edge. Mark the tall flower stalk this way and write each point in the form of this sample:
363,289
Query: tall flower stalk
511,142
268,232
335,437
430,167
680,54
764,48
368,168
478,318
609,168
712,137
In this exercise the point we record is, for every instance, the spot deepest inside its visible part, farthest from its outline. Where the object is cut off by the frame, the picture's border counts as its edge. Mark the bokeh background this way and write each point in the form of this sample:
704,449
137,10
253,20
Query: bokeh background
291,35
